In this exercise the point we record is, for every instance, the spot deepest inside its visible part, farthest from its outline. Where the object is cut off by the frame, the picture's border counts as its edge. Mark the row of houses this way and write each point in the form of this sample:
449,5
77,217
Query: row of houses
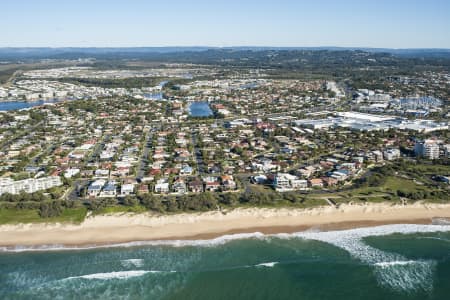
180,185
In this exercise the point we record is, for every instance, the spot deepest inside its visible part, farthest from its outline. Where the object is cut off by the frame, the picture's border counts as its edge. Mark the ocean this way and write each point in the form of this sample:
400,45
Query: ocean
383,262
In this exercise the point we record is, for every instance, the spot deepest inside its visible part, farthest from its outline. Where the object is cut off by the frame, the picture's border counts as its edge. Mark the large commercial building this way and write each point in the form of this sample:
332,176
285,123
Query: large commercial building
31,185
369,122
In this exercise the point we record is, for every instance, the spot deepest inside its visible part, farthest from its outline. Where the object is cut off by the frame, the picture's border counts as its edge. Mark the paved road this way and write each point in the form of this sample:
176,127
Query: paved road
47,151
72,192
198,155
19,135
143,161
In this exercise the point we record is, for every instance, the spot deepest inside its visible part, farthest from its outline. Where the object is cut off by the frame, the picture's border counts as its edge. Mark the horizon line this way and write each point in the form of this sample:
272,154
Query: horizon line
222,47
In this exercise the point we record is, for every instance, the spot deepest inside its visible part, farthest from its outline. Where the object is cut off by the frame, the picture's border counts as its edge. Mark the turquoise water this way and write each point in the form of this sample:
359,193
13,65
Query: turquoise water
200,109
387,262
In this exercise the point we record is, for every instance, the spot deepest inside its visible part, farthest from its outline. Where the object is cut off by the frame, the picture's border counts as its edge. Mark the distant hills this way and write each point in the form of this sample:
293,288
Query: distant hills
9,53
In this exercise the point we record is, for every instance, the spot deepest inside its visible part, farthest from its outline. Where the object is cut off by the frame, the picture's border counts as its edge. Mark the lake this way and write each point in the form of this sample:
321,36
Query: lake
200,109
15,105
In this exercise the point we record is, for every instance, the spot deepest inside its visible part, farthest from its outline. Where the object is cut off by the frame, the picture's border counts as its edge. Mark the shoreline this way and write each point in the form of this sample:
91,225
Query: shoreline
114,229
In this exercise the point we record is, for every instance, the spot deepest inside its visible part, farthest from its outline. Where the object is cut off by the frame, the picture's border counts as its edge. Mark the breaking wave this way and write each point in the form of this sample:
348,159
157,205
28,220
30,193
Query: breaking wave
174,243
134,262
115,275
408,276
391,269
387,264
268,264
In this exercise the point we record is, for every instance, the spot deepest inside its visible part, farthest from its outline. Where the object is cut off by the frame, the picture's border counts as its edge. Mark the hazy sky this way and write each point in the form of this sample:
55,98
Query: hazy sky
364,23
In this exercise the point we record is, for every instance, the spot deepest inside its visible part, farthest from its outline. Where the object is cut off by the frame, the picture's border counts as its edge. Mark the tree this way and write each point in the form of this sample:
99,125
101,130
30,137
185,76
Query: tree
151,202
130,201
229,199
50,209
172,204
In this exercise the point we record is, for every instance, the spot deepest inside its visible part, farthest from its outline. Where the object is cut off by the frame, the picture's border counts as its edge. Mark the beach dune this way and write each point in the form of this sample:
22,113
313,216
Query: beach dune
127,227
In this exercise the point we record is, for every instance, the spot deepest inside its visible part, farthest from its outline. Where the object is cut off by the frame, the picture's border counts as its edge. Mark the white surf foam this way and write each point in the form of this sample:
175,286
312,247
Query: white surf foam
401,276
387,264
173,243
113,275
268,264
407,276
333,237
117,275
133,262
391,269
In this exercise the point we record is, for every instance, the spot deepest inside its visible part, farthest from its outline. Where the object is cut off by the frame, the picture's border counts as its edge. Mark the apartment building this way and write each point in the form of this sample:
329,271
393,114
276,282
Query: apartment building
31,185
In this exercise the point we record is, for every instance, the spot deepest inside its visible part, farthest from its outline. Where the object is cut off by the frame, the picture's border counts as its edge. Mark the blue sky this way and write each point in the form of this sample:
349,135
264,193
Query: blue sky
127,23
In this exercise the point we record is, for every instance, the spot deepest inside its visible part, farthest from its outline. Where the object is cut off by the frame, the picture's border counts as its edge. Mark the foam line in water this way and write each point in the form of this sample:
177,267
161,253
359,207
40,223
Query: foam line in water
133,262
115,275
268,264
386,264
391,269
406,276
174,243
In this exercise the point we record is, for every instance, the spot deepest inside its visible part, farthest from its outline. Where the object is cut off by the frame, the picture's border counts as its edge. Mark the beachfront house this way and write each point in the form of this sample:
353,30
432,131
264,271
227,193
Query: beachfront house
126,189
179,187
109,190
95,188
196,186
162,186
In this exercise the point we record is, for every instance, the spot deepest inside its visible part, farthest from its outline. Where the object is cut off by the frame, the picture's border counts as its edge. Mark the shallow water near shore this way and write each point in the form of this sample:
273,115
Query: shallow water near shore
383,262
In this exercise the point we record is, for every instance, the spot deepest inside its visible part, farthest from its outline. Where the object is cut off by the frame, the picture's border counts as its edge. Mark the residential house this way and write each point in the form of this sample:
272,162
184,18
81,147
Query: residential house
329,181
315,182
186,170
196,186
228,182
95,188
211,184
162,186
143,189
127,189
109,190
179,186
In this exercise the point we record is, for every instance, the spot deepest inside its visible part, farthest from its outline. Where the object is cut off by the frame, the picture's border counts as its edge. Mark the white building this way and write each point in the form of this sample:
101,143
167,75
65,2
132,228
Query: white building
391,154
95,187
127,189
31,185
162,186
284,182
71,172
447,150
428,149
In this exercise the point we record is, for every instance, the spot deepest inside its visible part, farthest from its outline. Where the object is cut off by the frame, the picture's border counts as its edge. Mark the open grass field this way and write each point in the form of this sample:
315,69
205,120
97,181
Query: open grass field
15,216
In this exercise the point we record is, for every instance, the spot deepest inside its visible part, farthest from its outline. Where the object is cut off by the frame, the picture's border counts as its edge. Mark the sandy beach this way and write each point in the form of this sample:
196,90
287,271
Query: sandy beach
122,228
